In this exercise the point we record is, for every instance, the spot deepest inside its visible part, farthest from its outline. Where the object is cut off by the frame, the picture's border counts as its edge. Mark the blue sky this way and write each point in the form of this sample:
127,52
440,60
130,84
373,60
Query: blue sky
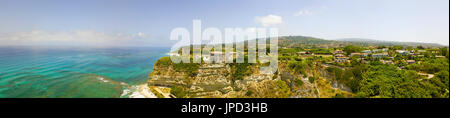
149,22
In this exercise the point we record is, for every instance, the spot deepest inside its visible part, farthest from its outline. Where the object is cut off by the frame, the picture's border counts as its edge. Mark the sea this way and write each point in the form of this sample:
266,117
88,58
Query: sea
74,72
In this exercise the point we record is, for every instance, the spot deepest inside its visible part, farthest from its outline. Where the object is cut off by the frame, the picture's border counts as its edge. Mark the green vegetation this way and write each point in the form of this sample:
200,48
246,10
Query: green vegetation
387,71
299,66
430,66
178,91
320,51
283,89
336,72
298,82
164,62
241,69
189,68
311,79
388,81
374,77
352,49
269,89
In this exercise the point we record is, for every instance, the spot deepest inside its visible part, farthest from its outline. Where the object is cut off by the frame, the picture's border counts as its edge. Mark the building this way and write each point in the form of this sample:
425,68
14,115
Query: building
411,61
376,50
386,62
380,55
433,51
303,53
340,58
173,54
338,52
366,52
403,52
421,52
440,56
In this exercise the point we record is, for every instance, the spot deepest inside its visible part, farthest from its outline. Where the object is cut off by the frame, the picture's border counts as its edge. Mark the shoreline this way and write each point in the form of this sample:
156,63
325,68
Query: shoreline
142,91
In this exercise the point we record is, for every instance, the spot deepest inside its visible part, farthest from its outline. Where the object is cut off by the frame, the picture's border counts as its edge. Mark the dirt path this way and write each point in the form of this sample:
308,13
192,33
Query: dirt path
166,95
429,76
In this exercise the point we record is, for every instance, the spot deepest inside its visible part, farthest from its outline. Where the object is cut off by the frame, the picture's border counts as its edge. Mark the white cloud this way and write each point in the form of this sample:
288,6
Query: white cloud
303,13
269,20
79,37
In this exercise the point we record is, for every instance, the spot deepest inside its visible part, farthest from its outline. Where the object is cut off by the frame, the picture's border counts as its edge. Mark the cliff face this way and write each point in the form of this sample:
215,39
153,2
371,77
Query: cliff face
209,80
222,81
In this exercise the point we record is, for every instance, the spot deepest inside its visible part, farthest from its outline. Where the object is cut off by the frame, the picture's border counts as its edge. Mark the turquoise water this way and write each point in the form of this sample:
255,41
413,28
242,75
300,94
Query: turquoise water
41,72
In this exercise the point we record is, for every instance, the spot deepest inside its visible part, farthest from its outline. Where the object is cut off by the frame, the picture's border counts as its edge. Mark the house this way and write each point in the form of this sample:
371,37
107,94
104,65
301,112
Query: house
173,54
421,52
303,53
380,55
386,62
411,61
366,52
433,51
340,58
403,52
339,52
440,56
376,50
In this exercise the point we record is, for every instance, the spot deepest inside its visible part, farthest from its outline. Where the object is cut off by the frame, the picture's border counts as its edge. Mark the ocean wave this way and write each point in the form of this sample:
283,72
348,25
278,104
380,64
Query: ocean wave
138,91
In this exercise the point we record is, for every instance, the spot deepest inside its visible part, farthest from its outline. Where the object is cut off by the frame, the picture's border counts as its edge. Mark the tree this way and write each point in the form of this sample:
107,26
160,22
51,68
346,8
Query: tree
298,82
430,66
351,49
444,52
420,47
388,81
311,79
397,47
337,72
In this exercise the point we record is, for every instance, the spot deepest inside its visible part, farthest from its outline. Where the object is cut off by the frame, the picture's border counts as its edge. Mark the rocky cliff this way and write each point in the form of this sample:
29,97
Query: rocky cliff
231,81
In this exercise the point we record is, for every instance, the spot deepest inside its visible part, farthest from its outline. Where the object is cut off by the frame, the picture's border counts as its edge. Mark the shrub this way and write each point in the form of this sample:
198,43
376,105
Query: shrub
283,89
311,79
178,91
298,82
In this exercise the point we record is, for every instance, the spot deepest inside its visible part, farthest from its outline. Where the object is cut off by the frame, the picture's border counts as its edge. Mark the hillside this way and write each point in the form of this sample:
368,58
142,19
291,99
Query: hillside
362,41
312,74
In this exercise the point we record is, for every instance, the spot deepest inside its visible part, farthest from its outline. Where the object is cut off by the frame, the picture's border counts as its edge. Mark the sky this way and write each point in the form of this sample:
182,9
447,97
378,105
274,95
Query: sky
149,22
